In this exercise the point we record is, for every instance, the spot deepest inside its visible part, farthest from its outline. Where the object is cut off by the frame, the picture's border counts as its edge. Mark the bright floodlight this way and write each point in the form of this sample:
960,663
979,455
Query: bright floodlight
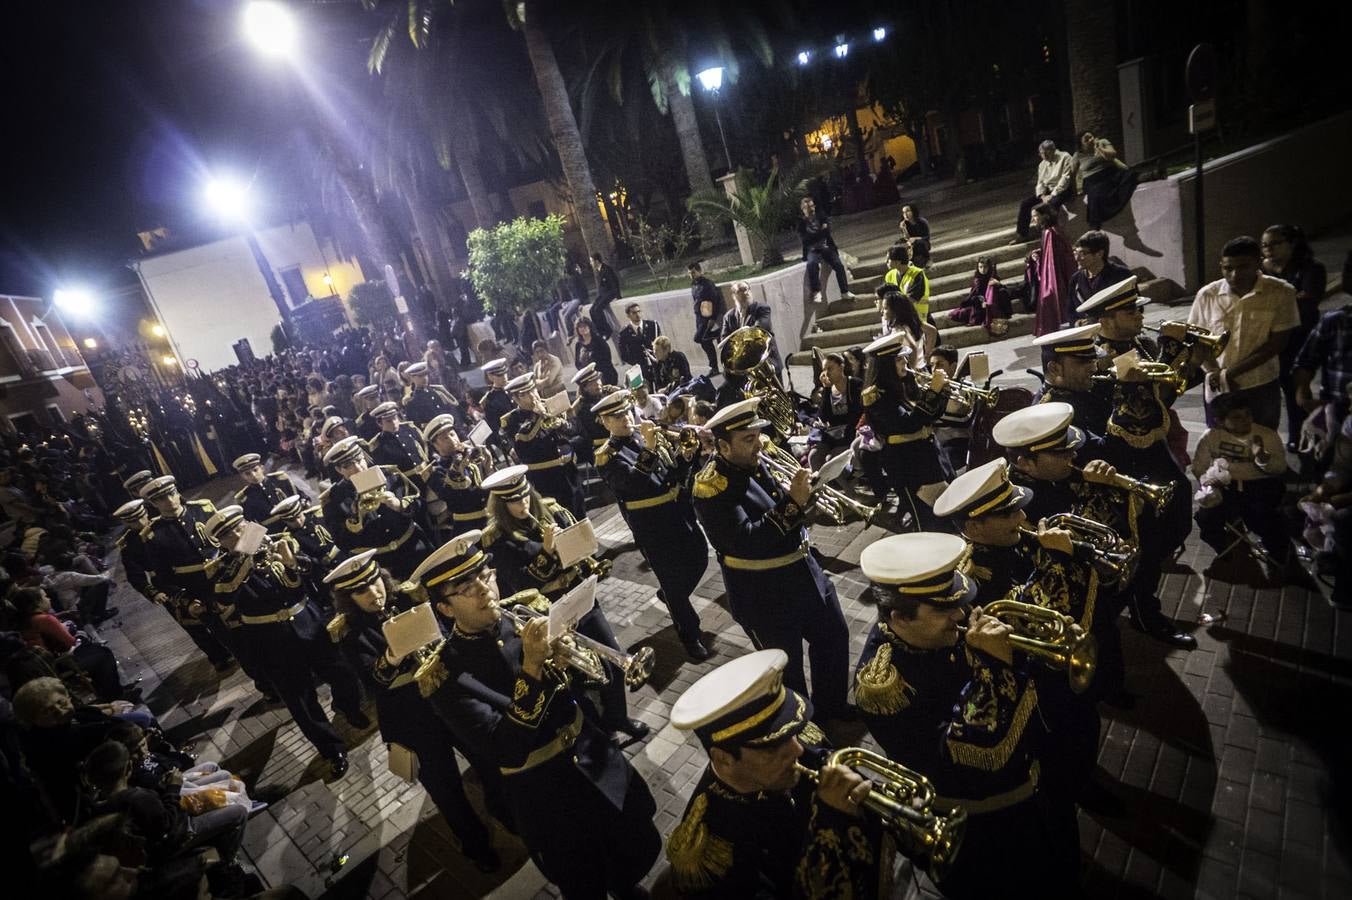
879,34
76,301
227,198
157,330
842,49
804,57
270,27
90,343
711,79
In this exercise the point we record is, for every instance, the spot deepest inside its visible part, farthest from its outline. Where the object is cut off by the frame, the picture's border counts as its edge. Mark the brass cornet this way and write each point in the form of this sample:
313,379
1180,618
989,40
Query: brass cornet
967,392
1157,495
1051,637
1195,336
588,656
905,802
681,439
835,505
1114,557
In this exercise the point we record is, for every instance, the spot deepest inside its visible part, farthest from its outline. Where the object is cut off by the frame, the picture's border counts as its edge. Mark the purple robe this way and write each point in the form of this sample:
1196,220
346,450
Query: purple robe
1055,265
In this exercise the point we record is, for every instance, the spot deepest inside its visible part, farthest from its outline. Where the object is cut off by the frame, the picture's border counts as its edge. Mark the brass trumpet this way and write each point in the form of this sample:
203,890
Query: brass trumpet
1052,638
905,802
683,439
1157,495
588,656
1114,557
1195,336
835,505
968,392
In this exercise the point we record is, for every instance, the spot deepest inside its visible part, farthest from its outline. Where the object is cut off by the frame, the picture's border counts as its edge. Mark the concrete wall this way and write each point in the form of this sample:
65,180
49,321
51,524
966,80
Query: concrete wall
1299,178
784,291
210,296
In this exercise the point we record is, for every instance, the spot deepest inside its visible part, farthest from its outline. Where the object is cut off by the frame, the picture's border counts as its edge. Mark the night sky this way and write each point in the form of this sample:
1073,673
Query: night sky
115,110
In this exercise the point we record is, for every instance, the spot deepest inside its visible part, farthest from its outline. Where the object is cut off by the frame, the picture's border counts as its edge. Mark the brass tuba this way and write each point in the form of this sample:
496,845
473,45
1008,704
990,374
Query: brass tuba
746,353
905,802
1051,637
1114,557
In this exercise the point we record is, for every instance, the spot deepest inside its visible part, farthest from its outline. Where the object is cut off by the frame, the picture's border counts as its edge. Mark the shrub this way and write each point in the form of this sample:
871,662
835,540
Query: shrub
515,266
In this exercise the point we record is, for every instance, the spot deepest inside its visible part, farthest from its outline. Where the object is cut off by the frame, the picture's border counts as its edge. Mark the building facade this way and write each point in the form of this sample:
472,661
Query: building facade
43,376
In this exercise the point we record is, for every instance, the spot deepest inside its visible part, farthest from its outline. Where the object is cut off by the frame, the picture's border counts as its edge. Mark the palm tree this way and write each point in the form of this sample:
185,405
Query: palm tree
1091,51
766,209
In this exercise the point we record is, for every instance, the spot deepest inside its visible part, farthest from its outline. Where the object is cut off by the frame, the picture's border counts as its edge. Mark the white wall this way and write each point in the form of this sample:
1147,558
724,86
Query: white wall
210,296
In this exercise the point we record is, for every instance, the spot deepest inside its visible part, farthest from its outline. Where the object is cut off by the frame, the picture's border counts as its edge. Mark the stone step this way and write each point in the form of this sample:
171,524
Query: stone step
958,336
864,310
873,252
963,261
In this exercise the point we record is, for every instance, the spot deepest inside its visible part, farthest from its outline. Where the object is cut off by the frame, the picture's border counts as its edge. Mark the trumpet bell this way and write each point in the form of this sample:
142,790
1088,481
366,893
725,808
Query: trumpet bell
1082,662
640,668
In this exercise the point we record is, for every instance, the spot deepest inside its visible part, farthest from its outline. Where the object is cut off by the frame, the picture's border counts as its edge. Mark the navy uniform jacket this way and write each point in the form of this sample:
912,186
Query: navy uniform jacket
136,562
523,564
955,715
422,404
456,483
652,487
253,586
404,449
259,499
558,770
178,550
538,439
496,404
759,534
768,846
366,425
1092,408
382,528
593,433
896,420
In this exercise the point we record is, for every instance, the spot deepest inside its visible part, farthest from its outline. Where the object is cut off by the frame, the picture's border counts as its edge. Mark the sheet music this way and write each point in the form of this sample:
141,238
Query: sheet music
575,543
558,404
575,604
411,630
480,433
369,479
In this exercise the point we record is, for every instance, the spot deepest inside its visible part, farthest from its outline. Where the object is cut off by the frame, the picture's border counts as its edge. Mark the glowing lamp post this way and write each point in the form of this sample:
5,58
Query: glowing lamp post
270,27
231,200
711,79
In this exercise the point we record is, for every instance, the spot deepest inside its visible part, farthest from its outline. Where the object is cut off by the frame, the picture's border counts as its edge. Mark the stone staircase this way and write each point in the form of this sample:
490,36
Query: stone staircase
841,324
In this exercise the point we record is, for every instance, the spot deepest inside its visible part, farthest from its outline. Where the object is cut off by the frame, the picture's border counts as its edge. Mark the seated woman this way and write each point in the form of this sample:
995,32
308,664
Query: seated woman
1107,181
522,527
839,407
34,621
590,348
987,303
912,225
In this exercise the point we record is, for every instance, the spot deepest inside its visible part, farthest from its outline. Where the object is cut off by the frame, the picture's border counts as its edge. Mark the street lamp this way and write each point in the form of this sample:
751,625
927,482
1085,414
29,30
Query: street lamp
879,34
842,50
230,199
804,57
76,301
90,343
711,79
271,27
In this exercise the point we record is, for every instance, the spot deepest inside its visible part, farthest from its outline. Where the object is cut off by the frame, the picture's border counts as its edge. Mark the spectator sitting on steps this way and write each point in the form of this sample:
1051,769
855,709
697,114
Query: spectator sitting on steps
1054,187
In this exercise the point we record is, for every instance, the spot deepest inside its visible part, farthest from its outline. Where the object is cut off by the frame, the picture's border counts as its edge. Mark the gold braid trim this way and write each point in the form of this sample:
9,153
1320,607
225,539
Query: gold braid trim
879,688
870,395
337,627
1090,598
993,759
698,858
710,482
1139,441
432,674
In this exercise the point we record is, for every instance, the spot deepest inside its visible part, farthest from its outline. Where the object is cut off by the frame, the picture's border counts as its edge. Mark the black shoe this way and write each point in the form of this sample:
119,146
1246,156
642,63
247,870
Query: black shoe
104,616
224,666
486,860
339,765
633,728
1165,632
358,720
271,698
697,651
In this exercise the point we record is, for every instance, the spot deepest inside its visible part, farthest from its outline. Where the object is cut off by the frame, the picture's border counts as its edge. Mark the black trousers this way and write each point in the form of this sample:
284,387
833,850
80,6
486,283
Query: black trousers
611,699
101,666
678,560
439,774
827,255
1028,204
909,467
1021,851
208,641
1256,506
711,353
292,664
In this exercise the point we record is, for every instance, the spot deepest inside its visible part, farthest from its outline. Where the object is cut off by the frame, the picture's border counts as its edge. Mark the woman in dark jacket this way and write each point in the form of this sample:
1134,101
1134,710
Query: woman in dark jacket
366,597
839,406
1287,255
912,225
590,348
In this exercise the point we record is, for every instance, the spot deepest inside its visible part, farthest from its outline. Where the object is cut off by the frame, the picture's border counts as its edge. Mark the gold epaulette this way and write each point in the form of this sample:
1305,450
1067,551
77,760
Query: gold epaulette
148,530
980,573
710,482
870,395
603,454
337,627
205,504
698,857
491,534
554,507
433,673
879,688
530,597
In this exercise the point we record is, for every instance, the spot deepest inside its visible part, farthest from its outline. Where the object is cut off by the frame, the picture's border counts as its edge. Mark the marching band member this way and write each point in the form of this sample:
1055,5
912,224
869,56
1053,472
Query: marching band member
1119,311
285,633
455,480
365,596
522,525
383,520
754,829
592,433
650,480
1050,569
135,562
778,593
366,400
1070,357
957,706
262,489
137,480
580,808
294,520
397,443
178,553
902,417
423,401
542,444
496,403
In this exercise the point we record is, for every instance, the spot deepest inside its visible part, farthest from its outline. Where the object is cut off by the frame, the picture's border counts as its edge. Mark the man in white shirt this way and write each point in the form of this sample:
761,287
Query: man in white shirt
1055,186
1260,314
